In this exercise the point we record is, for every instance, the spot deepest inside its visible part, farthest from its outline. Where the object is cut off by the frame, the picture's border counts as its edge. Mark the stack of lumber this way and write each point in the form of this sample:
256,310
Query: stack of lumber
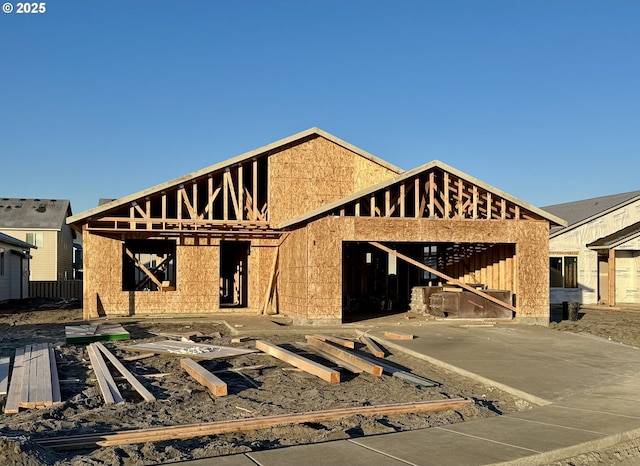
34,380
94,332
107,385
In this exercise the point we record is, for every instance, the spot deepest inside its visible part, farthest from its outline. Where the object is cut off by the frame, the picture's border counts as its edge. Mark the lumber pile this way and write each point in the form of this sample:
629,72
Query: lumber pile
94,332
34,379
157,434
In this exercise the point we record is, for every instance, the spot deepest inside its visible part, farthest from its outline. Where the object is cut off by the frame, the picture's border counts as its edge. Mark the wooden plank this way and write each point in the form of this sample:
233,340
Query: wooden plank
45,391
216,386
15,386
5,362
107,385
372,346
346,356
446,277
137,357
398,336
135,383
26,376
312,367
337,340
55,380
157,434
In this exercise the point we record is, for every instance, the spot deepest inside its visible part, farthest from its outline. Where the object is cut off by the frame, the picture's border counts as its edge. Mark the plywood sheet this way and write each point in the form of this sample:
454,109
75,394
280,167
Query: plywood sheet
193,350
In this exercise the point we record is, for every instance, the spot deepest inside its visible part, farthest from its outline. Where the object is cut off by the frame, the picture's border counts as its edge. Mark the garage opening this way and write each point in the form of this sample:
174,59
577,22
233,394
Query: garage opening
234,273
376,283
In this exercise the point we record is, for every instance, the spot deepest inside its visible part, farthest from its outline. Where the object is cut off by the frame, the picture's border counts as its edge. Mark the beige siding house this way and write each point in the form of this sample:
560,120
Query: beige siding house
14,268
42,223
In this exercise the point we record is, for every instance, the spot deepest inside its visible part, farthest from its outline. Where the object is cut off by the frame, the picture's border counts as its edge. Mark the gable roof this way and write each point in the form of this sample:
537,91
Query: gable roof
44,214
580,212
4,238
261,151
409,174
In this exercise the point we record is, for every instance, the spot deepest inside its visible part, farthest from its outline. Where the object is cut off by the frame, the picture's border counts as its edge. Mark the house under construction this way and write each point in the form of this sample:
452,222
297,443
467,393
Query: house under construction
319,230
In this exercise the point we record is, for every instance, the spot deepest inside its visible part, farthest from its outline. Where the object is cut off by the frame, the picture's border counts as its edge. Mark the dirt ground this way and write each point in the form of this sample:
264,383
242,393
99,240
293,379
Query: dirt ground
272,388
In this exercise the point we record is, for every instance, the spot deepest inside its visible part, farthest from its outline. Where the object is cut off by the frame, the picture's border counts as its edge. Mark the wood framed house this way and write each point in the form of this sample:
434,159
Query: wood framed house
596,258
313,228
14,268
42,222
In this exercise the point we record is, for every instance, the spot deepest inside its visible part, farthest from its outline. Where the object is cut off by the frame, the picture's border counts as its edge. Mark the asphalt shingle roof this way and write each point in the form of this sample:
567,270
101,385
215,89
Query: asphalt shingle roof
34,213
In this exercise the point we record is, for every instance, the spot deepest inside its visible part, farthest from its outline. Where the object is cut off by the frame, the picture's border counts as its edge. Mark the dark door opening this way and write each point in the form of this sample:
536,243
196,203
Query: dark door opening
233,273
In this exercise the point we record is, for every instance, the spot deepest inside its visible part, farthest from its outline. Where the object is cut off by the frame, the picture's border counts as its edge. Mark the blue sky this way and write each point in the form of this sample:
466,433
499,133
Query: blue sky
105,98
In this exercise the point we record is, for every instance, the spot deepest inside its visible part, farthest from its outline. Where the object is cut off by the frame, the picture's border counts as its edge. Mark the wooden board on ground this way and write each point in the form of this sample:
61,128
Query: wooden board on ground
346,356
34,380
135,383
107,385
95,332
216,386
337,340
4,374
158,434
307,365
398,336
190,349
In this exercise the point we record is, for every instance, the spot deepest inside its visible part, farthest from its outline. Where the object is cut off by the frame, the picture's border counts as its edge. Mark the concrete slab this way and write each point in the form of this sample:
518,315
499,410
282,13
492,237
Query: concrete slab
534,436
580,419
536,361
337,452
231,460
439,447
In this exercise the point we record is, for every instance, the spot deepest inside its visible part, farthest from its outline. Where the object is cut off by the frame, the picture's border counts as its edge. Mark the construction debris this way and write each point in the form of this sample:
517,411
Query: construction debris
34,380
107,385
194,350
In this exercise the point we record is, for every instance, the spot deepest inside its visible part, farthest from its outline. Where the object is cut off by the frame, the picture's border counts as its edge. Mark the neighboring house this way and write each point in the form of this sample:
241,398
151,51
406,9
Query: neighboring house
596,258
300,227
14,268
42,222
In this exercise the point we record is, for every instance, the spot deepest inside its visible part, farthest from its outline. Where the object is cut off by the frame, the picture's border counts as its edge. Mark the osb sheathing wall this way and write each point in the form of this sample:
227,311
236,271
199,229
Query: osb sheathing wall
321,282
316,172
197,279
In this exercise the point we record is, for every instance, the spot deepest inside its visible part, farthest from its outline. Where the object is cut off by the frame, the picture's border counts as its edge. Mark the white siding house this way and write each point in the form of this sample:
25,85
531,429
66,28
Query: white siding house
596,258
14,268
42,222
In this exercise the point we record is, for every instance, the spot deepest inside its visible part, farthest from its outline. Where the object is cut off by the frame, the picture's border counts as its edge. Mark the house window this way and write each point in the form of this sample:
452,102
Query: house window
2,263
36,239
149,265
430,259
563,272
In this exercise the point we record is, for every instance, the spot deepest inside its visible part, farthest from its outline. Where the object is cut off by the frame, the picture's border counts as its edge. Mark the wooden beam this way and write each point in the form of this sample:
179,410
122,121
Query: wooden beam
416,198
146,395
312,367
240,184
401,199
272,280
216,386
351,358
157,434
444,276
337,340
372,346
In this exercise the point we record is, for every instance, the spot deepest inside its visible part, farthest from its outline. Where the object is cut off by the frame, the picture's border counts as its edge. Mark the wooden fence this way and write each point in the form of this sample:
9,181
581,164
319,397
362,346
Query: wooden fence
66,289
